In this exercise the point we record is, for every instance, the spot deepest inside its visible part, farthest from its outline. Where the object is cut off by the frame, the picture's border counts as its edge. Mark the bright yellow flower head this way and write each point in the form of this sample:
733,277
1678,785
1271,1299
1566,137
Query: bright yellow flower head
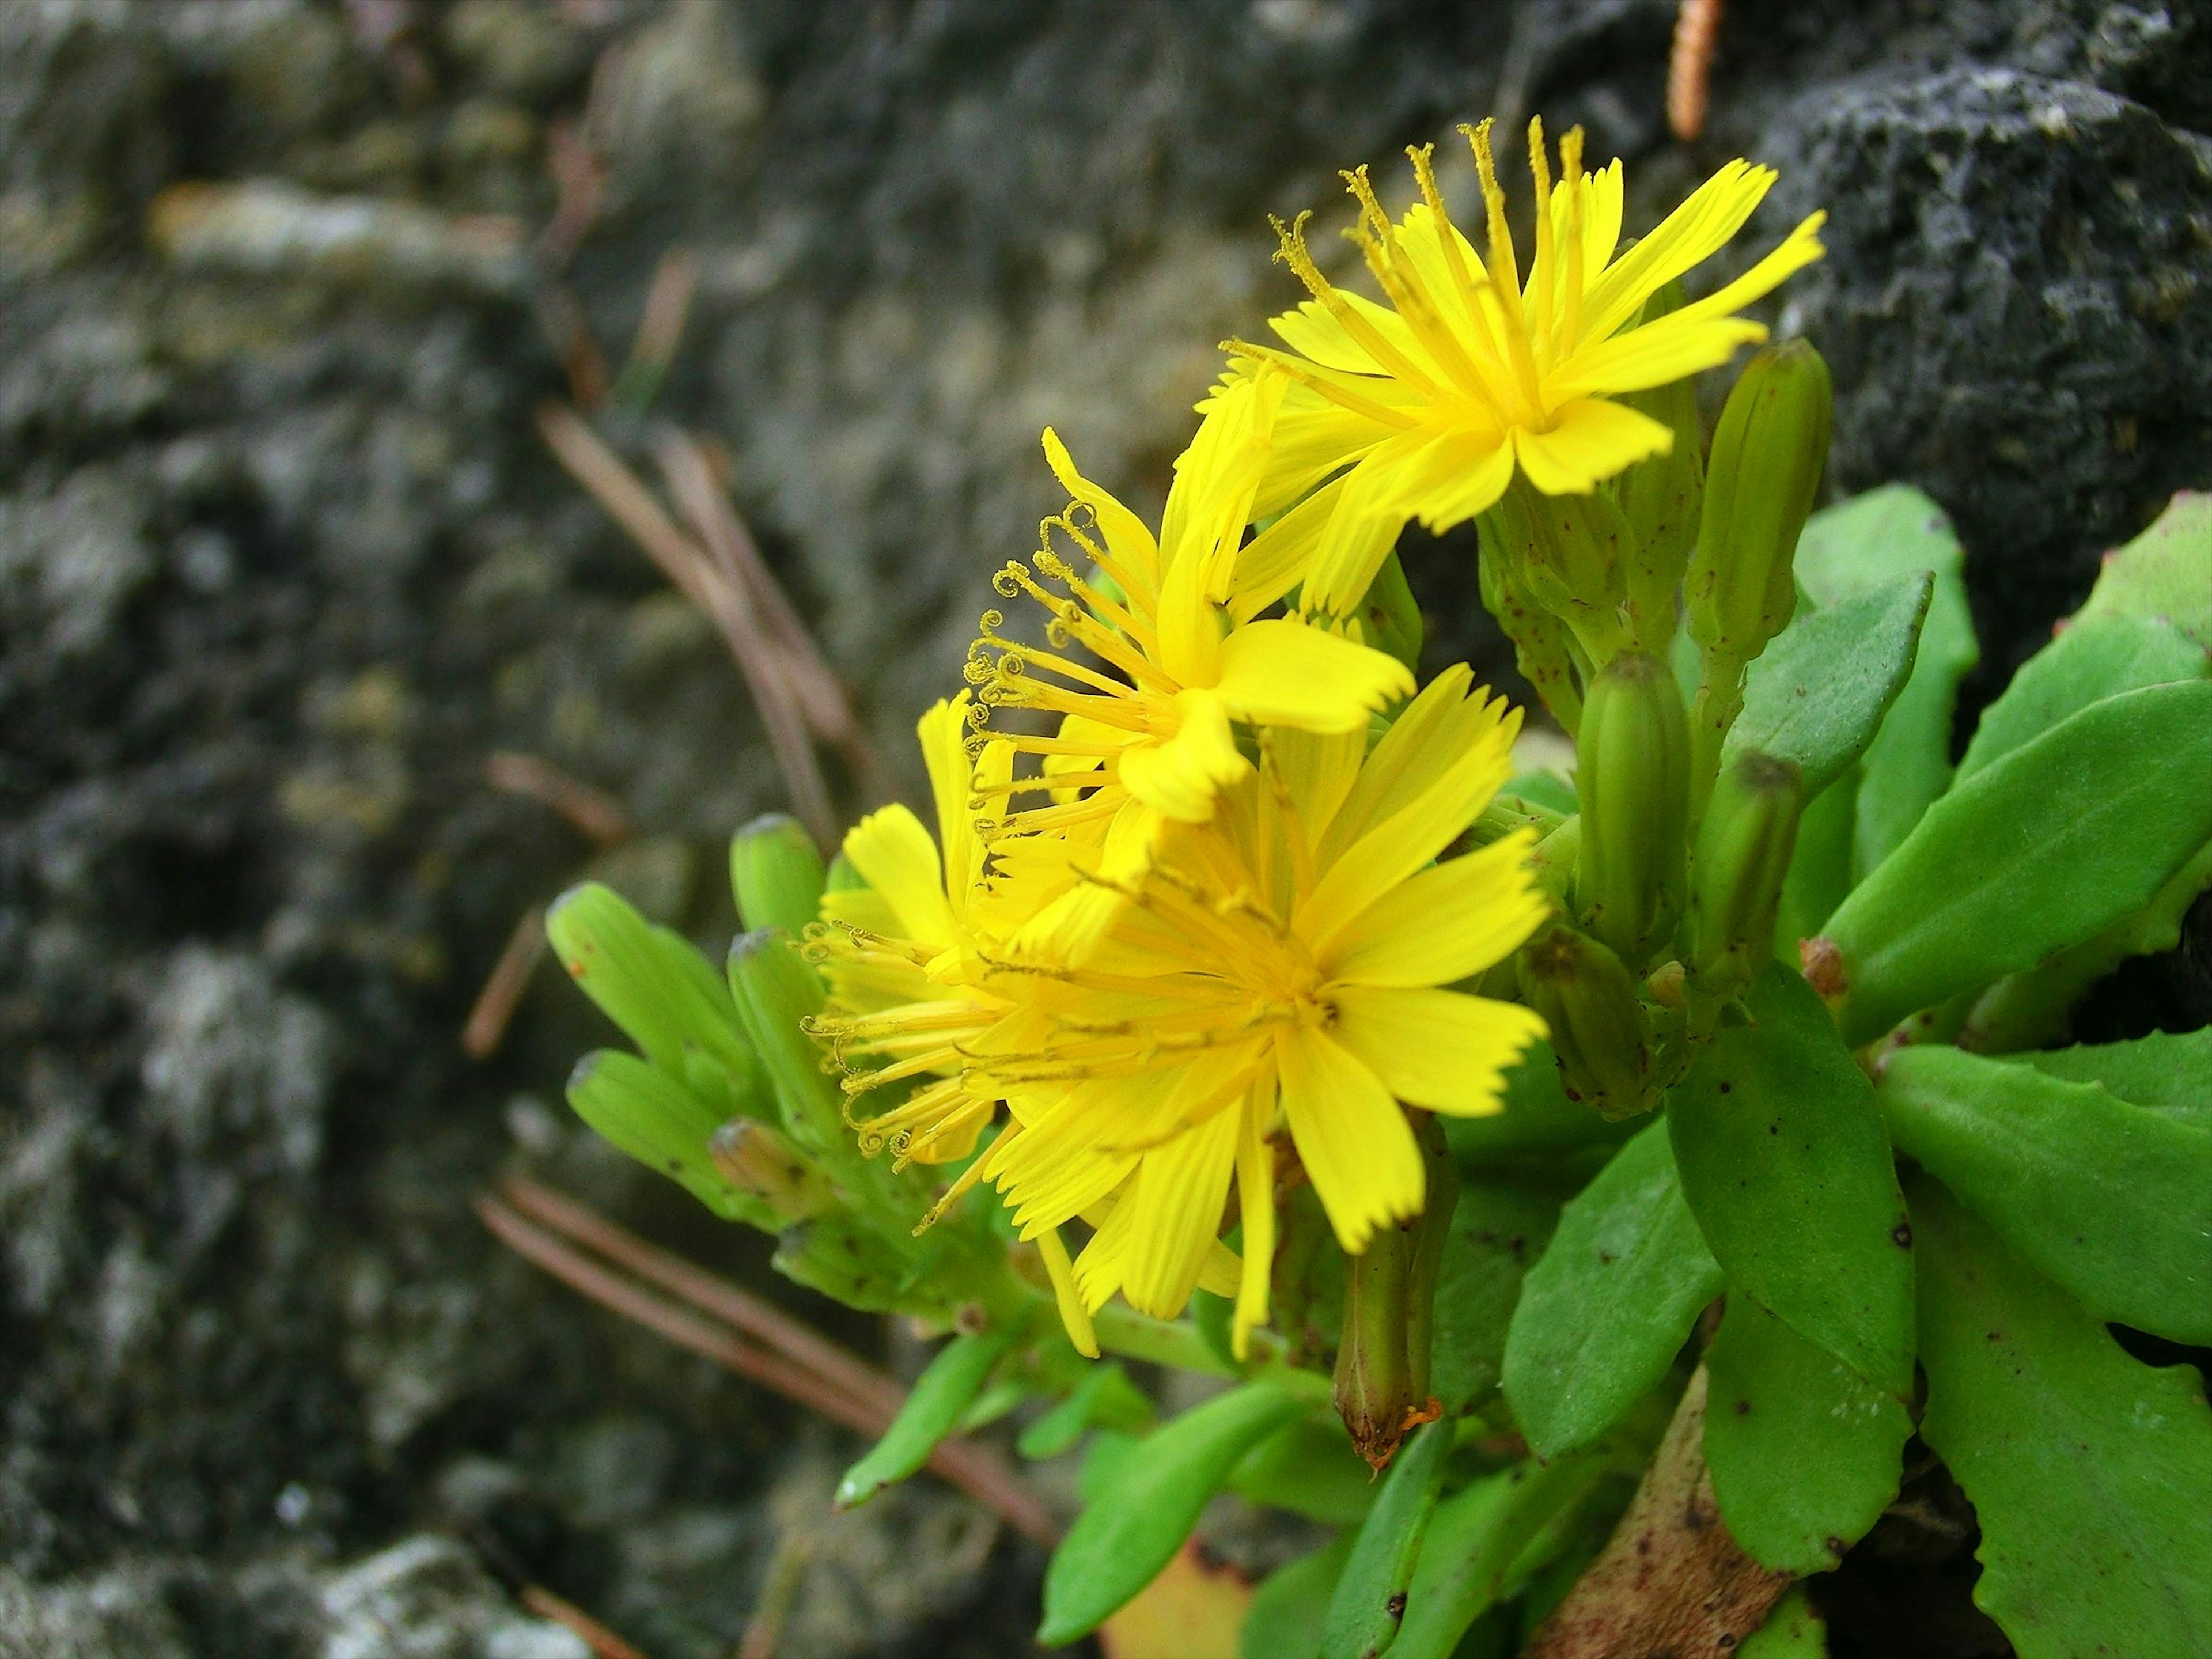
1469,373
1180,658
1278,967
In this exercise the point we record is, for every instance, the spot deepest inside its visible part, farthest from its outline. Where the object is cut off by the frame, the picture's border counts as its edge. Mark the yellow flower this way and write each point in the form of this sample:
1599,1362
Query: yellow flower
900,955
1469,373
1278,967
1180,658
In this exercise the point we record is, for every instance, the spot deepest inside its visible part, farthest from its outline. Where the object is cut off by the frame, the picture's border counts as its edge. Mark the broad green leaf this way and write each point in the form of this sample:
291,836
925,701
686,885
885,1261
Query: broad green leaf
1804,1451
2165,1073
1137,1517
1309,1469
776,874
1498,1229
1285,1618
2039,851
2087,1471
1861,543
1795,1630
1820,866
1609,1304
2110,1200
940,1397
2097,657
1371,1595
2165,571
1545,787
1784,1164
1105,1398
652,982
1539,1122
642,1111
1816,696
1477,1553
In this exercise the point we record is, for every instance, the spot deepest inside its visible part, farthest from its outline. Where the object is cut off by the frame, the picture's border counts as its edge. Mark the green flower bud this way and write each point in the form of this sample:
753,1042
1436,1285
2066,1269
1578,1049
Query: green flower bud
1601,1034
1570,553
1543,650
1389,616
1633,777
1768,454
1744,847
1430,1231
754,1158
1660,497
776,873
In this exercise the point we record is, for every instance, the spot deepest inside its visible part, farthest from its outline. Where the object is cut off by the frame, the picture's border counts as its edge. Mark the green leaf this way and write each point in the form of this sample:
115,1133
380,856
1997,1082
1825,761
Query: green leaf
1817,695
1309,1469
1105,1398
1609,1305
1795,1630
2165,571
1820,867
1804,1452
939,1400
1538,1123
1285,1618
1497,1231
1479,1550
1140,1514
1371,1595
1861,543
2161,1072
776,874
644,1112
2097,657
1784,1164
2039,851
2109,1201
652,982
2087,1471
1546,787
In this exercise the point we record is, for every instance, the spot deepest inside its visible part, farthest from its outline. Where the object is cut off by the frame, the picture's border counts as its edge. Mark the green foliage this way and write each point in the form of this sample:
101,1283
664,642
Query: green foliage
1139,1514
1605,1311
1498,1229
776,874
2168,1075
1817,697
2109,1201
1804,1450
2088,1470
2088,818
1795,1630
2165,571
1309,1468
1784,1164
934,1408
1862,542
1370,1599
661,1124
2096,658
1104,1398
1285,1620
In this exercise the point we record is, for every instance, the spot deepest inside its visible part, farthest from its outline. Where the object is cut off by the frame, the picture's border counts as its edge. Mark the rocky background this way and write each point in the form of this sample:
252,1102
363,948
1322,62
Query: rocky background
283,561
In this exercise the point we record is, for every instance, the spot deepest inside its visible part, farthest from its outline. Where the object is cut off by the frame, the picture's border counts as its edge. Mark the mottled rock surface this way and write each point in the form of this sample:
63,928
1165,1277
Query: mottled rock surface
281,561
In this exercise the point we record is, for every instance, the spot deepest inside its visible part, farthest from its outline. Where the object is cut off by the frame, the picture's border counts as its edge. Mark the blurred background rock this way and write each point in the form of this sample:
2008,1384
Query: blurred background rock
283,561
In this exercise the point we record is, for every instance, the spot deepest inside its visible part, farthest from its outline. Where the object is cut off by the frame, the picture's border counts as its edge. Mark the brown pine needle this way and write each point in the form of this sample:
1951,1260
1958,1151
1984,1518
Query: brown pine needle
699,579
602,1642
846,1390
595,813
1690,67
502,991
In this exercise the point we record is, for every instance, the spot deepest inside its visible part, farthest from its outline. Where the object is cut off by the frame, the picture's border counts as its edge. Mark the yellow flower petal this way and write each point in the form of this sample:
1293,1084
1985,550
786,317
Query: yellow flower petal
1255,1194
1286,674
1072,1313
1351,1136
1588,441
1446,923
1439,1049
1179,778
894,855
1128,541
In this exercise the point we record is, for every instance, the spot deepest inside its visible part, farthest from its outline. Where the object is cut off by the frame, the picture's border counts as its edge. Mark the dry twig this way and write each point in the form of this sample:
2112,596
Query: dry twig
602,1642
739,1331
